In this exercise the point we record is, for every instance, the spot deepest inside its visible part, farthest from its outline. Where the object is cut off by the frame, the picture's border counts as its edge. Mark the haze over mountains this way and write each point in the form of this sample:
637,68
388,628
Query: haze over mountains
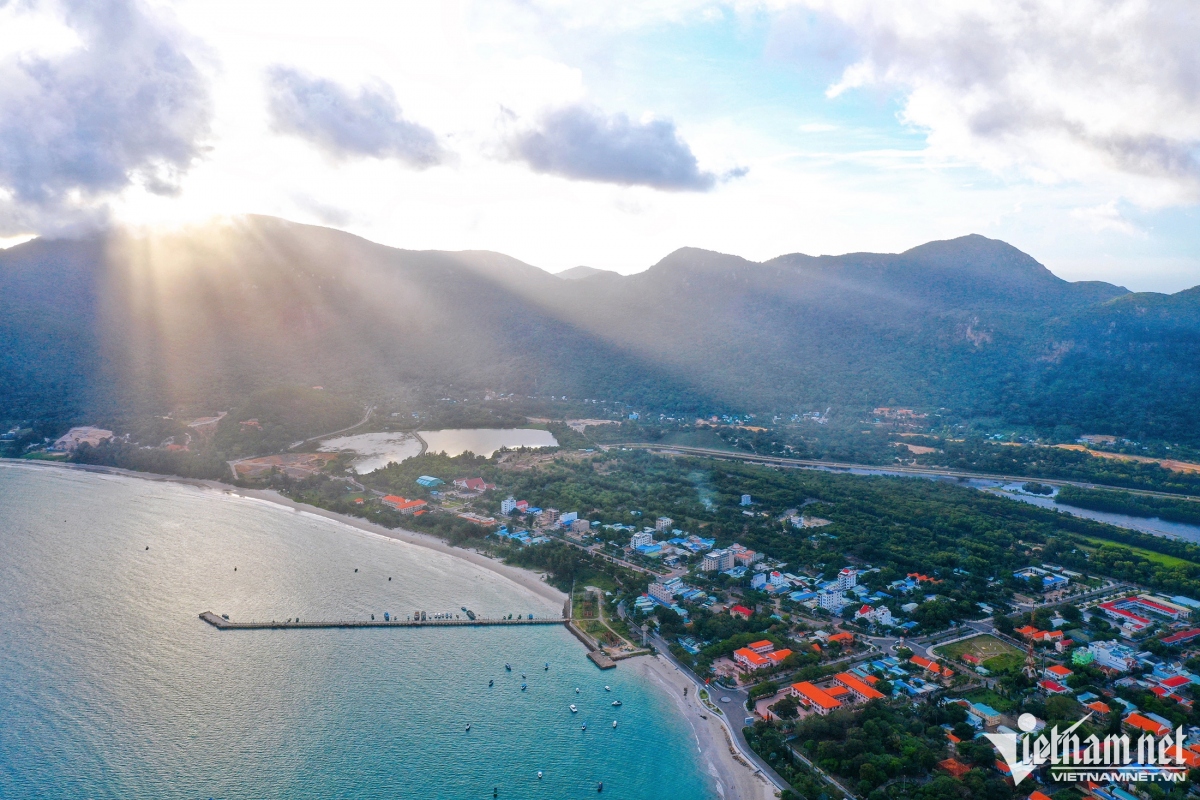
115,323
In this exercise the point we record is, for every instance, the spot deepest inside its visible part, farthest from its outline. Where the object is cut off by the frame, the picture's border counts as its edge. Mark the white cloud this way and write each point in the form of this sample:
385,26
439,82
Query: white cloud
112,101
1102,93
1106,217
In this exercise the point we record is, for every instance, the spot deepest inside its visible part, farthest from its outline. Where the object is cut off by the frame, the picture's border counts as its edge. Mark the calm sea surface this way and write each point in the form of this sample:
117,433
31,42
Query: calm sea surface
111,687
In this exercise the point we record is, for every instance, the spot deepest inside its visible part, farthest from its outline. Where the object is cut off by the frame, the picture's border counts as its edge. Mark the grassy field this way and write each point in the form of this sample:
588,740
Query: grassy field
983,647
990,698
1149,555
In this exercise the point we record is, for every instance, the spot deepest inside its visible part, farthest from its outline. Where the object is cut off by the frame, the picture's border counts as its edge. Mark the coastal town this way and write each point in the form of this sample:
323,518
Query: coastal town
808,611
809,658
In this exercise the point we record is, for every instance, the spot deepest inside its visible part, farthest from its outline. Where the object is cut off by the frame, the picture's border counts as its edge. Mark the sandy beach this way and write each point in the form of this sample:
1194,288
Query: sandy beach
734,777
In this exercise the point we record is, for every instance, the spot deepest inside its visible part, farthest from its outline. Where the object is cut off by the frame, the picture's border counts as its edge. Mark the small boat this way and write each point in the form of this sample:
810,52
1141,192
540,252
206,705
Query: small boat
522,675
614,723
607,689
468,726
600,786
573,708
616,703
491,684
547,665
508,667
523,687
584,728
539,774
576,690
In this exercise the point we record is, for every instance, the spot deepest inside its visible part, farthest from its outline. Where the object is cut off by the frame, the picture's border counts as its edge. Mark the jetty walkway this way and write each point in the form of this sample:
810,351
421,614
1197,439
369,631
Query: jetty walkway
223,624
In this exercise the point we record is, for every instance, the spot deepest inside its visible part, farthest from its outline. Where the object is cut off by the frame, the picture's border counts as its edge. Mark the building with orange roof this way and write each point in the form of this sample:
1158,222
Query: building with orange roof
1190,759
1027,631
403,505
1098,707
836,690
953,767
761,646
749,659
815,698
858,687
1039,796
1057,672
1146,724
844,636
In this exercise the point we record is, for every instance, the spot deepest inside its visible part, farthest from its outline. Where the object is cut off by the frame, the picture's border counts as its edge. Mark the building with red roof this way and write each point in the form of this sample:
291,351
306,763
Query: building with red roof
740,611
1053,687
1182,637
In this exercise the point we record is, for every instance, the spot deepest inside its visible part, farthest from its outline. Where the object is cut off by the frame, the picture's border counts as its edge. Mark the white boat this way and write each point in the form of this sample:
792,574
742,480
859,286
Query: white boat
573,708
616,703
584,728
607,689
576,690
614,723
539,774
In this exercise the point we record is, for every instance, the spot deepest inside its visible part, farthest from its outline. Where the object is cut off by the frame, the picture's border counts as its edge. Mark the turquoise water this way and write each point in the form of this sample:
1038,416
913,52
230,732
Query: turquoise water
111,687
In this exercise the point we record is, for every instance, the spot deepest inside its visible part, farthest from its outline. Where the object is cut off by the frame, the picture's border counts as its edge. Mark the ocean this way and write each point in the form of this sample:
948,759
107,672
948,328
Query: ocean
112,687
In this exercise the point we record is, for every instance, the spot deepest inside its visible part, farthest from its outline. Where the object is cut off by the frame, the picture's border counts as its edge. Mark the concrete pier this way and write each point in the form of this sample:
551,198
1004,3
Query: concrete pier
223,624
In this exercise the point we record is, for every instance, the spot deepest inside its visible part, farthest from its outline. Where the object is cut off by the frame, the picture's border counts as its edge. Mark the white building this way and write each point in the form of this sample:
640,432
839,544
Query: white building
758,581
832,602
661,592
663,524
717,561
847,579
508,505
641,538
1113,656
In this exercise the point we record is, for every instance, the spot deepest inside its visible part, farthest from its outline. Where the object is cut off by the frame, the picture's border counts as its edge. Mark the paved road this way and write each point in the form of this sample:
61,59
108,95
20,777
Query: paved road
360,423
754,458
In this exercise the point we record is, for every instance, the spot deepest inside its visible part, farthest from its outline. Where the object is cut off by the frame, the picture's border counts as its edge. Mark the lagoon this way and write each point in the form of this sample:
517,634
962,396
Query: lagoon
111,687
376,450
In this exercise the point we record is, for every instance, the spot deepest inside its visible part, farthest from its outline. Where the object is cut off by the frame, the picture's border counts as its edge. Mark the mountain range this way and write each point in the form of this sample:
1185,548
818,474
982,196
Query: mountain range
137,324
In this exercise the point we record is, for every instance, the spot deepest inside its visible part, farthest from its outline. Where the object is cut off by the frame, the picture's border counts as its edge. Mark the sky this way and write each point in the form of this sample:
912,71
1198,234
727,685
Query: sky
610,134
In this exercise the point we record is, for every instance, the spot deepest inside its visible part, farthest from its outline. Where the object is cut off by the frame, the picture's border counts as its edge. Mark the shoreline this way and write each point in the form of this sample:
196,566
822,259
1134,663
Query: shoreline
735,779
533,581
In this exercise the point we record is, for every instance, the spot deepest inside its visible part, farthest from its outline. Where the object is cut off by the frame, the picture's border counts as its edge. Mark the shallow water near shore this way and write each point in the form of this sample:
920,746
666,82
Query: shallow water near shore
110,686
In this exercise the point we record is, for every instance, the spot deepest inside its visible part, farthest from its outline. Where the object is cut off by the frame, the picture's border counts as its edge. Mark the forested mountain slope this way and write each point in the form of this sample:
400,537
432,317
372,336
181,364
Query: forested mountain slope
212,314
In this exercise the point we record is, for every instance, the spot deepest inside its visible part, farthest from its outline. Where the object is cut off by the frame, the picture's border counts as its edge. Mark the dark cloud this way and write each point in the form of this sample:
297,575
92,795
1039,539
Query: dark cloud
127,106
342,124
581,143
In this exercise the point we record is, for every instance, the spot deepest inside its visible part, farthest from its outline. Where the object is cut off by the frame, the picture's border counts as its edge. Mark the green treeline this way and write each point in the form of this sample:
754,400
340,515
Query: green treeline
1133,505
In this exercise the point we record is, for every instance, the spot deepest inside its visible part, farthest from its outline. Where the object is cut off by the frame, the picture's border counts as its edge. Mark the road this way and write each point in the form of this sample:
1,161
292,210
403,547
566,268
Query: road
358,424
752,458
